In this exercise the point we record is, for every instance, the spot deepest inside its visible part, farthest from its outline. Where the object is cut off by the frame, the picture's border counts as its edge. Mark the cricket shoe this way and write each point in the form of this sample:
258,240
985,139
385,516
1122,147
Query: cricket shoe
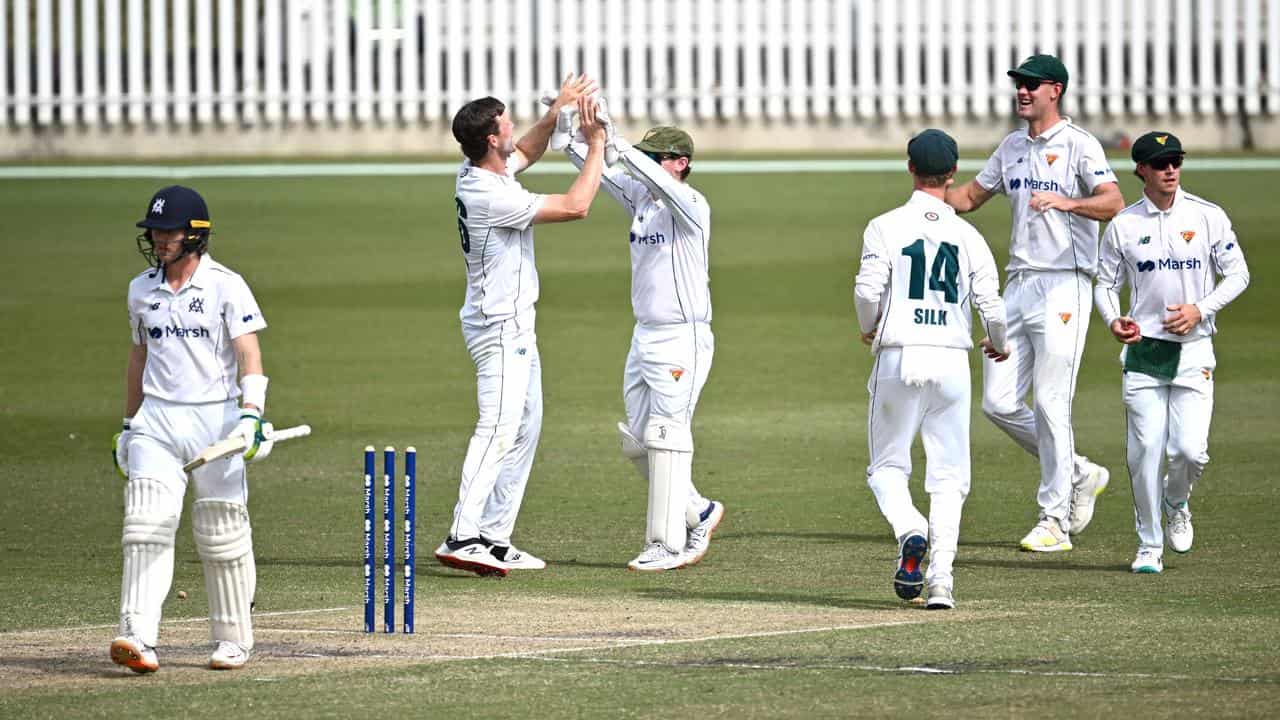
130,652
940,598
1046,536
657,557
1086,486
908,579
228,656
1148,562
1177,528
513,558
700,535
471,555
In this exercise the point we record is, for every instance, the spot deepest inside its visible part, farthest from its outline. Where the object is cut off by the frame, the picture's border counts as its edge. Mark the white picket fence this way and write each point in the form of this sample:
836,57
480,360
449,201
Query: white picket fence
91,63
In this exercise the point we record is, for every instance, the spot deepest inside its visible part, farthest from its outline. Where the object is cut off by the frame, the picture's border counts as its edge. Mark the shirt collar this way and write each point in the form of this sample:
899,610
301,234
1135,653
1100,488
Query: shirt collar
1048,134
198,279
1153,210
919,197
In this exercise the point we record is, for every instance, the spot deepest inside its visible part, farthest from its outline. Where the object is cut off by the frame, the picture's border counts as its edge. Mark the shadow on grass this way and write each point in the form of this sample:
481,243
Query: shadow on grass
879,538
1036,563
835,601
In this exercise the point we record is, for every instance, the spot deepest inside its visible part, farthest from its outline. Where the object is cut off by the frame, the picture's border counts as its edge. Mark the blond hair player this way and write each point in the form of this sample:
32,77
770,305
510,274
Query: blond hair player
194,377
1168,248
1059,186
923,270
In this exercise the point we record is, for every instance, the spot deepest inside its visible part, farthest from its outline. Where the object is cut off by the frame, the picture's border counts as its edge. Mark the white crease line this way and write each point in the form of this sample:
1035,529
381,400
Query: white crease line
183,621
907,669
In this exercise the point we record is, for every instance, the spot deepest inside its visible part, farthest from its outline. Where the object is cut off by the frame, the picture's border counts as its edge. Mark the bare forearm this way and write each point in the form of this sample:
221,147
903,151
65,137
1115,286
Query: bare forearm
1102,205
133,380
534,142
583,190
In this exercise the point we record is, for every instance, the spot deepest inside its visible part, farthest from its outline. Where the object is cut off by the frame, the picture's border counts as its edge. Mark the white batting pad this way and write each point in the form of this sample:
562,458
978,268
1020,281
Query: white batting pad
670,475
150,523
225,544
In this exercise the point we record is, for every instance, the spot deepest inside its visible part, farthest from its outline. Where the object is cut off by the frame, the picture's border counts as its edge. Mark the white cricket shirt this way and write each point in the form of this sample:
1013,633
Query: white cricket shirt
922,270
1066,160
1168,258
188,333
495,228
670,238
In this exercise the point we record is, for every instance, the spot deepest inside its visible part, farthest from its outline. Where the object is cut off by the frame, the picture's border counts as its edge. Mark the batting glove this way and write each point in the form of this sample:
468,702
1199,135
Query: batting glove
611,135
249,428
120,449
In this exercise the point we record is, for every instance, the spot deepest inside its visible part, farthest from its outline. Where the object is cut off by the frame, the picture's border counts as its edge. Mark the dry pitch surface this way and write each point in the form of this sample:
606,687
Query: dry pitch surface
329,640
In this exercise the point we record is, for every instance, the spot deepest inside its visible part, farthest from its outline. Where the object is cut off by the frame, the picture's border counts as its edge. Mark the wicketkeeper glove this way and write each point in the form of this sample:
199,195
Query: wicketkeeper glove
120,449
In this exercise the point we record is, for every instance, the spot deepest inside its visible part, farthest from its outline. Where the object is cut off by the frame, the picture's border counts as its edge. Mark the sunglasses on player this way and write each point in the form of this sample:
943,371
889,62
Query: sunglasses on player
659,157
1164,163
1031,84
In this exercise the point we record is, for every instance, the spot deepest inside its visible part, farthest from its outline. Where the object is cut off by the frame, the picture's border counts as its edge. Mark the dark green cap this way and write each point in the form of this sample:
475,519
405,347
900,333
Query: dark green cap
1042,67
667,139
1155,144
933,152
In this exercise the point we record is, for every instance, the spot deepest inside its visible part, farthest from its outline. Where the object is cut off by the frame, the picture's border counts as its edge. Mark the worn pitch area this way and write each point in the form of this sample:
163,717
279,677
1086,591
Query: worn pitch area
320,641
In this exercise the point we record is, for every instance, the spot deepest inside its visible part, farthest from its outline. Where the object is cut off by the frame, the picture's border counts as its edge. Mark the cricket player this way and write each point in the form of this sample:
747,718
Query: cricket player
922,271
1059,186
1169,247
496,216
671,344
194,377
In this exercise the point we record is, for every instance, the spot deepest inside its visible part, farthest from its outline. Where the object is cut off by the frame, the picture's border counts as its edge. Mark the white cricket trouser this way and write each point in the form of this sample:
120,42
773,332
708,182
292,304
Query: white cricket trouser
664,374
1048,314
500,454
939,412
1168,420
165,436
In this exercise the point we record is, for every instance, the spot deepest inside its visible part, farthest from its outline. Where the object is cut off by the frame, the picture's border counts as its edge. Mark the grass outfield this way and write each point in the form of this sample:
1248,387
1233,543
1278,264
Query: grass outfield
791,614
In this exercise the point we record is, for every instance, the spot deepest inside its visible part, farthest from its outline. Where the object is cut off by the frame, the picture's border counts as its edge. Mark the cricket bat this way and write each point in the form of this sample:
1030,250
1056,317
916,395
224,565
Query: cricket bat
230,446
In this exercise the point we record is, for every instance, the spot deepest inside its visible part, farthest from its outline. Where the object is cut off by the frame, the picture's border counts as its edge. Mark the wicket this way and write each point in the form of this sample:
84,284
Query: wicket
388,538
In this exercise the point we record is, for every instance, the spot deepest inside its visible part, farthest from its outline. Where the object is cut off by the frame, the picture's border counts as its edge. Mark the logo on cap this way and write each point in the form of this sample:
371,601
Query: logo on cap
1188,234
157,207
1162,139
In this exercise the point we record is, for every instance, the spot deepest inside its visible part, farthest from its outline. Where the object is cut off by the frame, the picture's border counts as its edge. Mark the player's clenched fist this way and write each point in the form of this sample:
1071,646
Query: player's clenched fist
1126,330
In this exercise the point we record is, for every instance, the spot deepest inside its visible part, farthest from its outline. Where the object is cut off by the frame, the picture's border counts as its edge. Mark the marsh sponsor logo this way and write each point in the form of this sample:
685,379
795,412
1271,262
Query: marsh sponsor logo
654,239
177,332
1169,264
1035,185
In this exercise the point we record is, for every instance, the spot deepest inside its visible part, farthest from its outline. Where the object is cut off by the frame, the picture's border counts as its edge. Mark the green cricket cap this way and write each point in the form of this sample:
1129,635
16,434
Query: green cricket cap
1155,144
1042,67
933,152
667,139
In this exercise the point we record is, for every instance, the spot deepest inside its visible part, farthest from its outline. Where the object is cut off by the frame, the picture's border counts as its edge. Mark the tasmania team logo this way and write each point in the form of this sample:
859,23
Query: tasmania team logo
676,374
1050,158
1188,234
1064,317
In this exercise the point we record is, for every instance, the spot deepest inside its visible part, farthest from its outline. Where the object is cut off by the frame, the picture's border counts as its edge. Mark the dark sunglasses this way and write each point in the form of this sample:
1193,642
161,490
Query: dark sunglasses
659,157
1031,84
1167,162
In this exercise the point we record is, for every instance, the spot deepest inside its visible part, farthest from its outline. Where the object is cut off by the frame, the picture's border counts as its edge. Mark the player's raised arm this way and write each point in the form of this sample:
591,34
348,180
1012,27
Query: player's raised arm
576,203
531,146
647,162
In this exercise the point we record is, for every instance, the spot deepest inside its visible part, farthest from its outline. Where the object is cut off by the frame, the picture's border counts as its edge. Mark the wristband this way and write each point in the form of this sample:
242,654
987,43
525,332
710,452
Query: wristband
253,391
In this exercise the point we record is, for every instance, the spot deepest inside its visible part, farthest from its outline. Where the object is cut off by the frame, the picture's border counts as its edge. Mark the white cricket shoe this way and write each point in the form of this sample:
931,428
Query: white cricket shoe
940,598
1148,561
471,555
1178,530
513,558
228,656
700,535
1046,536
129,651
657,557
1086,486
